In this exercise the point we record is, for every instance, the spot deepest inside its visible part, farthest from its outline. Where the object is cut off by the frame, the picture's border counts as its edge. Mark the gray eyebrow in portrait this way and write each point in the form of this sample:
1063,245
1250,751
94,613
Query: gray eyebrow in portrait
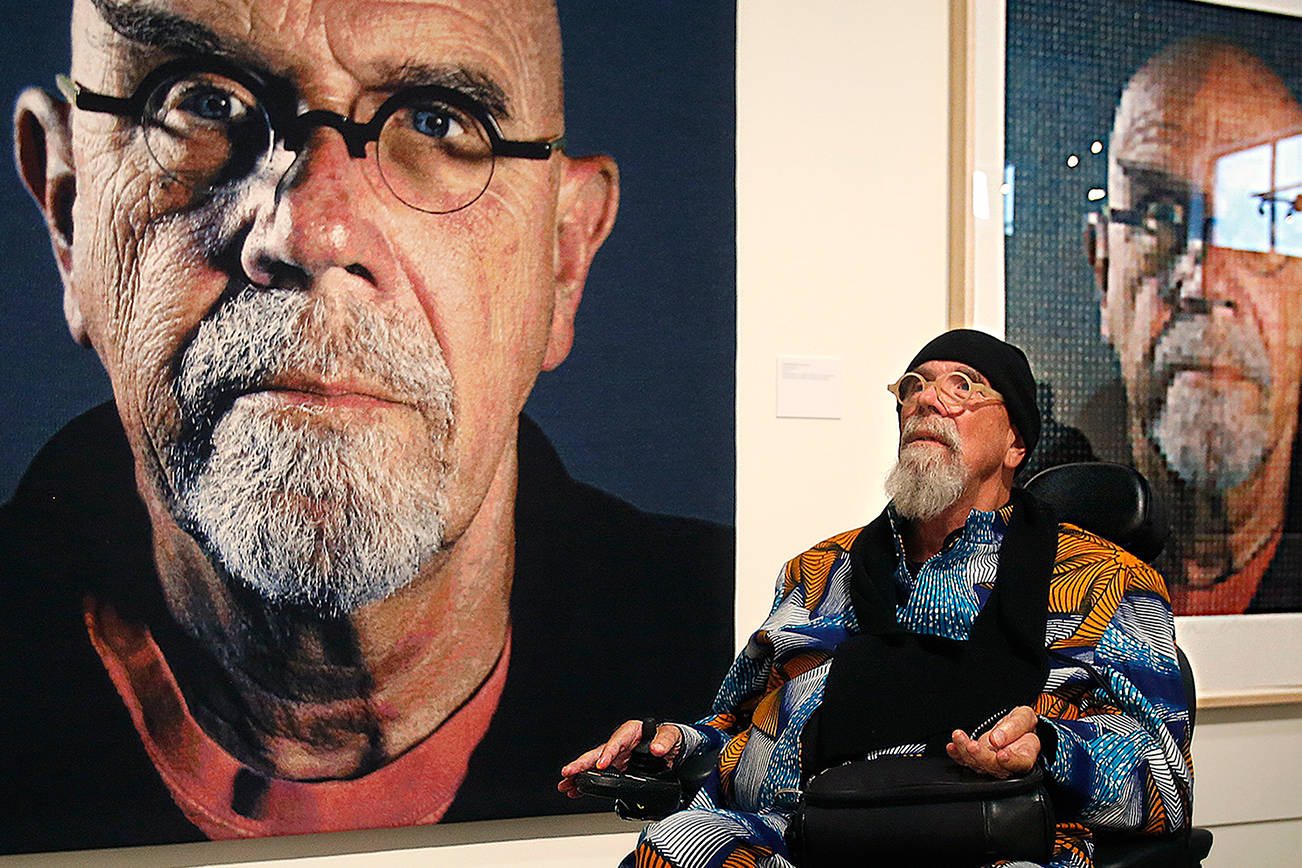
158,29
469,82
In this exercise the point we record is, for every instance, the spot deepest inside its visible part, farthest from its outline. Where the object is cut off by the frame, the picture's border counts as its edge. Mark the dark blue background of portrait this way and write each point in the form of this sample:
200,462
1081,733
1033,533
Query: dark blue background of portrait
643,407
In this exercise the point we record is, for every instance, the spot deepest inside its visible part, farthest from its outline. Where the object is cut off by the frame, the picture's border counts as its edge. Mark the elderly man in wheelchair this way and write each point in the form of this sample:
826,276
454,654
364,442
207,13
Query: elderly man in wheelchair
967,680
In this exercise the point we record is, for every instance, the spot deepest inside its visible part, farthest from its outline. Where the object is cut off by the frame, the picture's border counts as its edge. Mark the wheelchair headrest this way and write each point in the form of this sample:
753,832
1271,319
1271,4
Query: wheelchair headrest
1111,500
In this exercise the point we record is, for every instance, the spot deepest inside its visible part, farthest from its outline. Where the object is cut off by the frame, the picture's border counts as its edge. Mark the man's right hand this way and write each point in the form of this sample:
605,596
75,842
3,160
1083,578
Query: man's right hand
615,752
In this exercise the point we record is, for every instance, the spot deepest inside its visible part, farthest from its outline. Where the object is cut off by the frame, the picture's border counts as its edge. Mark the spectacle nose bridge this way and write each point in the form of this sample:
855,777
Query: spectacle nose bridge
319,222
937,401
299,128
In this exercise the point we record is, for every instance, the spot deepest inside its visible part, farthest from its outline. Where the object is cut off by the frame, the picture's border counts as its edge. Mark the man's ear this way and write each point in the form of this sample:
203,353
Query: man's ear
585,211
1096,253
1016,454
43,153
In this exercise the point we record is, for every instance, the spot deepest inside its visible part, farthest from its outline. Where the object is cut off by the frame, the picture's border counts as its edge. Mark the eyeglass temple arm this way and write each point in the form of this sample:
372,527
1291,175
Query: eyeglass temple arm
529,150
88,100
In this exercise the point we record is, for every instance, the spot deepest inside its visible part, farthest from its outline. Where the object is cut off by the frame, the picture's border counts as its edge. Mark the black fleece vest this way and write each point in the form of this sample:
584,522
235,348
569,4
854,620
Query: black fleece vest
889,687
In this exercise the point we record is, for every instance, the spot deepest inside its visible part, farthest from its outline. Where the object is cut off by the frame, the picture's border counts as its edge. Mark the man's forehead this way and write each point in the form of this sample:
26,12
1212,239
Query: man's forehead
1181,113
514,44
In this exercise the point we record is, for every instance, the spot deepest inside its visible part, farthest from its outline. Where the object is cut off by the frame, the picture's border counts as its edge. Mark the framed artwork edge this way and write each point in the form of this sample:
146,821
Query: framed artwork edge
1223,649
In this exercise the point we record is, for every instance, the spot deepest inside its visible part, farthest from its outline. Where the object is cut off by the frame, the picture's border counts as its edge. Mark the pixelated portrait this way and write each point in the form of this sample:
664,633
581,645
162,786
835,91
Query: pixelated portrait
1153,270
369,390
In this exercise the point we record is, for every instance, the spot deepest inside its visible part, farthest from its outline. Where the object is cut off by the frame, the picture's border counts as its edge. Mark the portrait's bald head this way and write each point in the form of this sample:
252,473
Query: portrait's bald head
1193,100
1200,288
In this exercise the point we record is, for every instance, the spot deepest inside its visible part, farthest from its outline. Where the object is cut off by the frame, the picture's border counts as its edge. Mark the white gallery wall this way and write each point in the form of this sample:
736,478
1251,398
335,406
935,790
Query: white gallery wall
843,190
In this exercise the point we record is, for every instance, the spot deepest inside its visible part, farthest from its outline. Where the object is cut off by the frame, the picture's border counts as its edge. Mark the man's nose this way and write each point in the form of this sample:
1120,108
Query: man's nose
929,400
321,216
1199,283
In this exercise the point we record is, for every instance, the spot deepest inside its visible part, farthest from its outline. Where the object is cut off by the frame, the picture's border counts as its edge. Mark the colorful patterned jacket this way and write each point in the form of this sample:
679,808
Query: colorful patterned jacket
1113,711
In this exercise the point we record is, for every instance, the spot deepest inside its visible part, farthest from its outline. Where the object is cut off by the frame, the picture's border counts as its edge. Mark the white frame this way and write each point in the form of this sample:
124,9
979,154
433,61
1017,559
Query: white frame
1225,649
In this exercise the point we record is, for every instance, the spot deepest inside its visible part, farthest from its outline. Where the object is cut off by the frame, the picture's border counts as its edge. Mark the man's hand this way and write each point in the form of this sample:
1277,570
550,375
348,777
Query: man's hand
1009,748
617,749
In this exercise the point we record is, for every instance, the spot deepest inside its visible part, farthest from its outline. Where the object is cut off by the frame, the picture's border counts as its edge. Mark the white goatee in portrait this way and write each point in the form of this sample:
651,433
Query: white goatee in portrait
299,502
1212,431
929,477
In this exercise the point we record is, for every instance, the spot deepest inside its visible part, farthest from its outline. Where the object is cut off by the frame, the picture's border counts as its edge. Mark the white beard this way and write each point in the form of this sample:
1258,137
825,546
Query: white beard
306,513
927,479
1213,434
299,504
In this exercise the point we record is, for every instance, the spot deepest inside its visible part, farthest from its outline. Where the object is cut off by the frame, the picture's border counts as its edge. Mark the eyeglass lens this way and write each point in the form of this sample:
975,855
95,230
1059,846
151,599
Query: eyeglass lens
435,157
953,387
205,130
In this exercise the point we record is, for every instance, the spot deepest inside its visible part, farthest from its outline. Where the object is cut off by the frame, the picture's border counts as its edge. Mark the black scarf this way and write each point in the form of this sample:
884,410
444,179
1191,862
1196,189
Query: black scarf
889,687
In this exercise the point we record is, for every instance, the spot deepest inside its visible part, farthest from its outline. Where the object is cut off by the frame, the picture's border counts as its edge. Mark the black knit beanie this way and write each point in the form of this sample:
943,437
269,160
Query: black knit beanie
1003,364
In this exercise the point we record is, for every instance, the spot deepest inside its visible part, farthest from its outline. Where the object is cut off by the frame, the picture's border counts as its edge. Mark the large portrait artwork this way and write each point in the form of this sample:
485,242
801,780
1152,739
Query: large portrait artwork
369,407
1153,250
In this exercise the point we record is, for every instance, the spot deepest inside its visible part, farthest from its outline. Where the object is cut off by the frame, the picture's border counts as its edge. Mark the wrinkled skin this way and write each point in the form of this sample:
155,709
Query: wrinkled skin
1210,348
492,290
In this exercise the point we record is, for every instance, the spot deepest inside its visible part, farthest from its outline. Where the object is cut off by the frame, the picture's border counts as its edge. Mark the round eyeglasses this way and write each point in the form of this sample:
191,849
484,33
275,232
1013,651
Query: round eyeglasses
955,388
208,123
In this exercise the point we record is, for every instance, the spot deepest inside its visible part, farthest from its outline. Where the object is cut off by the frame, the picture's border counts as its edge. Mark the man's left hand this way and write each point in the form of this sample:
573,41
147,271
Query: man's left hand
1009,748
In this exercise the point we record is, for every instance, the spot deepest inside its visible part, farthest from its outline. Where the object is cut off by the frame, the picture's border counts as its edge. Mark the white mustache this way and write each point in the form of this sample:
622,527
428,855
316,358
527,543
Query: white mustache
1200,341
940,428
263,334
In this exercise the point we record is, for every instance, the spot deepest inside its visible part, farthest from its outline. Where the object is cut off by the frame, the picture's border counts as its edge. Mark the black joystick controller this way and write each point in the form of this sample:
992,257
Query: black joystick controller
647,789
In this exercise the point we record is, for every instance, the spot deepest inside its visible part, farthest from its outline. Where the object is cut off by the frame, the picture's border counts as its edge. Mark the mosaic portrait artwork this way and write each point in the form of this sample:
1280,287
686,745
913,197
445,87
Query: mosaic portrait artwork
368,385
1153,270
